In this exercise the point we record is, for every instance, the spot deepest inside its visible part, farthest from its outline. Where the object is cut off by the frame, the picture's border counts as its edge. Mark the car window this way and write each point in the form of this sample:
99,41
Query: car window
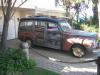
29,23
52,26
65,26
39,25
22,23
26,23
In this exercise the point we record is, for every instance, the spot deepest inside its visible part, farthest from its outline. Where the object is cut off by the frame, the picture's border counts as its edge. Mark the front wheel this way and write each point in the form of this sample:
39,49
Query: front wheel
78,51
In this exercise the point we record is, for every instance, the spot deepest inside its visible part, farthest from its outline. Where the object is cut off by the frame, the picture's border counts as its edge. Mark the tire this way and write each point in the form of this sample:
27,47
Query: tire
78,51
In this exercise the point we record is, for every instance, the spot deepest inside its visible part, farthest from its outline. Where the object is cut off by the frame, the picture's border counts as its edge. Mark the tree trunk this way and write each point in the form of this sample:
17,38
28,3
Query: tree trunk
68,4
4,34
99,15
5,26
95,17
77,11
67,11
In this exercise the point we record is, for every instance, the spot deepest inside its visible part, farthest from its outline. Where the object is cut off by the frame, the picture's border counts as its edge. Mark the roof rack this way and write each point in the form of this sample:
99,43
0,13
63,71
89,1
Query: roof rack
45,16
41,16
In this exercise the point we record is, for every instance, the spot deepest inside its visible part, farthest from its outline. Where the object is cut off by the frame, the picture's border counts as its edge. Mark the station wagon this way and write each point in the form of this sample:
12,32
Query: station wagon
57,34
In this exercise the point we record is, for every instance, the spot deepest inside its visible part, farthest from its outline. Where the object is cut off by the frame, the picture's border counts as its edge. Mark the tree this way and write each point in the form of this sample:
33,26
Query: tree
8,11
99,15
96,19
95,10
67,5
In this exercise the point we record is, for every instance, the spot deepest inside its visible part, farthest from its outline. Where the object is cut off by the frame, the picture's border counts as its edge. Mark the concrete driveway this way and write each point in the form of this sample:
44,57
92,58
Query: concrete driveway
59,67
62,55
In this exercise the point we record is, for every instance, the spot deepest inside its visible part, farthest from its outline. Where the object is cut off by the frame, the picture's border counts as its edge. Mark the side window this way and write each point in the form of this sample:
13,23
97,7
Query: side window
22,26
40,25
52,26
43,23
22,23
26,25
29,23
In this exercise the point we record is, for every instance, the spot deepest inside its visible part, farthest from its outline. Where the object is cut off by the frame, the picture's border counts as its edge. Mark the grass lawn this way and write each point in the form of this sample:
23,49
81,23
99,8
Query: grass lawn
40,71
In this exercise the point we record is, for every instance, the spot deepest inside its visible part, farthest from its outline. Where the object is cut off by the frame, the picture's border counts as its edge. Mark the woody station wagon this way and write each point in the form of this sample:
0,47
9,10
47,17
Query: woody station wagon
57,34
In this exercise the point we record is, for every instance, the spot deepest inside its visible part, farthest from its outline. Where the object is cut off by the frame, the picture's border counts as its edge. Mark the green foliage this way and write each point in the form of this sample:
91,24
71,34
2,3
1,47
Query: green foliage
99,40
87,27
40,71
14,60
77,26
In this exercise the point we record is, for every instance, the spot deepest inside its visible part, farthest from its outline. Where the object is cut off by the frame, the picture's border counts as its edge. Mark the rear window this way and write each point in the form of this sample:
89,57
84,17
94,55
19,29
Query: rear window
32,24
26,23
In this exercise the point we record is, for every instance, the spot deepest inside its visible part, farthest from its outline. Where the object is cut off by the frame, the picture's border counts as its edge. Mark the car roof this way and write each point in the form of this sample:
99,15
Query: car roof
48,19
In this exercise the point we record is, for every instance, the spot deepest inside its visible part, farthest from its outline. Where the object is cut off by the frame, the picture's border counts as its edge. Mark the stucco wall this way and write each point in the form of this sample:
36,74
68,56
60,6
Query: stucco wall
13,24
1,21
26,13
49,12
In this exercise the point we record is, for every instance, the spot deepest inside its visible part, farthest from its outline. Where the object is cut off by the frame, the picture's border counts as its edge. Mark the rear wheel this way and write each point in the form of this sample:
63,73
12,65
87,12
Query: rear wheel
78,51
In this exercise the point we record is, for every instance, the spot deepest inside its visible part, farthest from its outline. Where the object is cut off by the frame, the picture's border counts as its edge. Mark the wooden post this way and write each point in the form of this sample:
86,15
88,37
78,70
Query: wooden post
98,65
25,47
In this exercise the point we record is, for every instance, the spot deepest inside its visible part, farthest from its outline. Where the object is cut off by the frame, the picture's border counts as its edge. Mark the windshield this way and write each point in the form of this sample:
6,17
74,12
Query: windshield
65,26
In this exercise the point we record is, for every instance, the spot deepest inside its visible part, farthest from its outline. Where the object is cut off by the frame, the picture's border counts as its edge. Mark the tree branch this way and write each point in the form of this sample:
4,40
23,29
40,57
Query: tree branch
6,6
59,3
13,5
2,5
18,7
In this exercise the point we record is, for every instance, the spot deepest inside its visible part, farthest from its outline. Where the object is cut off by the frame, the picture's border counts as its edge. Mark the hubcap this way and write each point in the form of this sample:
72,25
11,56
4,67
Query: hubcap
78,52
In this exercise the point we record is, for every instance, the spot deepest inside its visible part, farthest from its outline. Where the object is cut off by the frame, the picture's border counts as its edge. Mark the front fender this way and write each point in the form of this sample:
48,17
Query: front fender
77,40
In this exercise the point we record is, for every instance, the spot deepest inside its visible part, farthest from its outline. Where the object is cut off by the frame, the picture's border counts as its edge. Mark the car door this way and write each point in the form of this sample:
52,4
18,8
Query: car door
39,33
53,36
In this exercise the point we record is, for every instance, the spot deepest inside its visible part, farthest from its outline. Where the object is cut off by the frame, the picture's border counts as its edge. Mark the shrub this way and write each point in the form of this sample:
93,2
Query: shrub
14,60
75,25
99,40
87,27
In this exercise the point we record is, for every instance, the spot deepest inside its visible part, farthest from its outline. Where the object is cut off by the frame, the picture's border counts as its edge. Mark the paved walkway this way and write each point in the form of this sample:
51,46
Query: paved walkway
62,68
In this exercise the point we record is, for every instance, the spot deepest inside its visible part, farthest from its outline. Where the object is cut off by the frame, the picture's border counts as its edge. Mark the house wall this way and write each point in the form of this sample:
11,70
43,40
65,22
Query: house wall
1,21
49,12
24,13
13,24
